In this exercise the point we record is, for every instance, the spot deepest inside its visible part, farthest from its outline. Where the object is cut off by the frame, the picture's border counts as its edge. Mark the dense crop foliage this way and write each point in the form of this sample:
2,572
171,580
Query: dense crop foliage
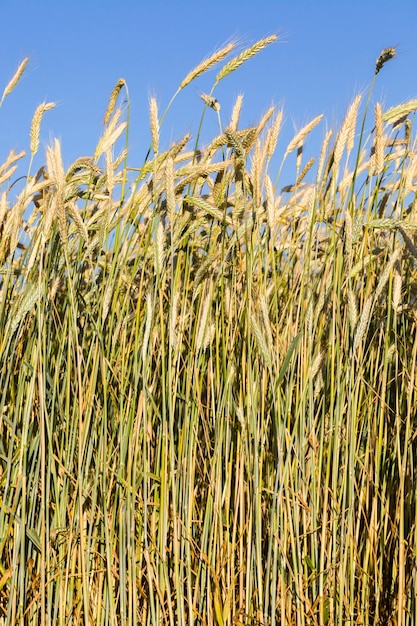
208,381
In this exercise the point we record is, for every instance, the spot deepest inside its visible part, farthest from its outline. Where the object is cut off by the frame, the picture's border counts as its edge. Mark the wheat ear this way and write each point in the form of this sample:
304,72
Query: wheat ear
113,99
35,128
17,76
154,123
237,61
207,64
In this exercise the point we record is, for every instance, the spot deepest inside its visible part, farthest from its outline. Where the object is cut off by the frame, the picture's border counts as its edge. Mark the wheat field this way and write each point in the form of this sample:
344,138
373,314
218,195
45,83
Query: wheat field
207,375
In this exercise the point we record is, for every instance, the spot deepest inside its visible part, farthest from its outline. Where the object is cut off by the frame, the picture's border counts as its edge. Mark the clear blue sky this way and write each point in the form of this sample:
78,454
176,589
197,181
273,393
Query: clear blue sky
79,49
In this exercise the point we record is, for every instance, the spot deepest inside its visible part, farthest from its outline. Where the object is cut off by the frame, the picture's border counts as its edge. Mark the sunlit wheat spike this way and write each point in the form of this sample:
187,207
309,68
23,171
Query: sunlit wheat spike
55,165
207,64
302,134
4,206
170,187
363,322
316,365
154,123
261,341
400,110
12,158
270,203
273,133
235,142
122,157
107,297
110,135
74,212
323,153
160,246
17,76
113,99
307,167
35,128
28,300
410,176
346,135
234,121
237,61
249,138
109,171
253,133
397,287
202,328
265,119
5,175
175,150
256,172
57,173
379,140
386,55
352,310
395,256
210,101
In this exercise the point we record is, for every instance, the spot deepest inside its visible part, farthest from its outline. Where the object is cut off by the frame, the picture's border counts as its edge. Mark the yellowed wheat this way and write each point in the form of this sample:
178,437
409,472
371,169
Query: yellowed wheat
397,287
298,139
13,82
363,322
111,134
273,133
203,319
154,123
379,141
237,61
36,125
307,167
207,64
234,120
399,111
395,257
113,99
323,154
346,136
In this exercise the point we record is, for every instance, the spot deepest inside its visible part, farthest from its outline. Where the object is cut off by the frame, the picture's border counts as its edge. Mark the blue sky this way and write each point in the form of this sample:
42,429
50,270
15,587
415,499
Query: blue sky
79,49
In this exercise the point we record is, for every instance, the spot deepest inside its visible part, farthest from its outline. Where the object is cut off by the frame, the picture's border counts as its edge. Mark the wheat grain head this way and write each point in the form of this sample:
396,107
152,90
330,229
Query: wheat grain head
13,82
